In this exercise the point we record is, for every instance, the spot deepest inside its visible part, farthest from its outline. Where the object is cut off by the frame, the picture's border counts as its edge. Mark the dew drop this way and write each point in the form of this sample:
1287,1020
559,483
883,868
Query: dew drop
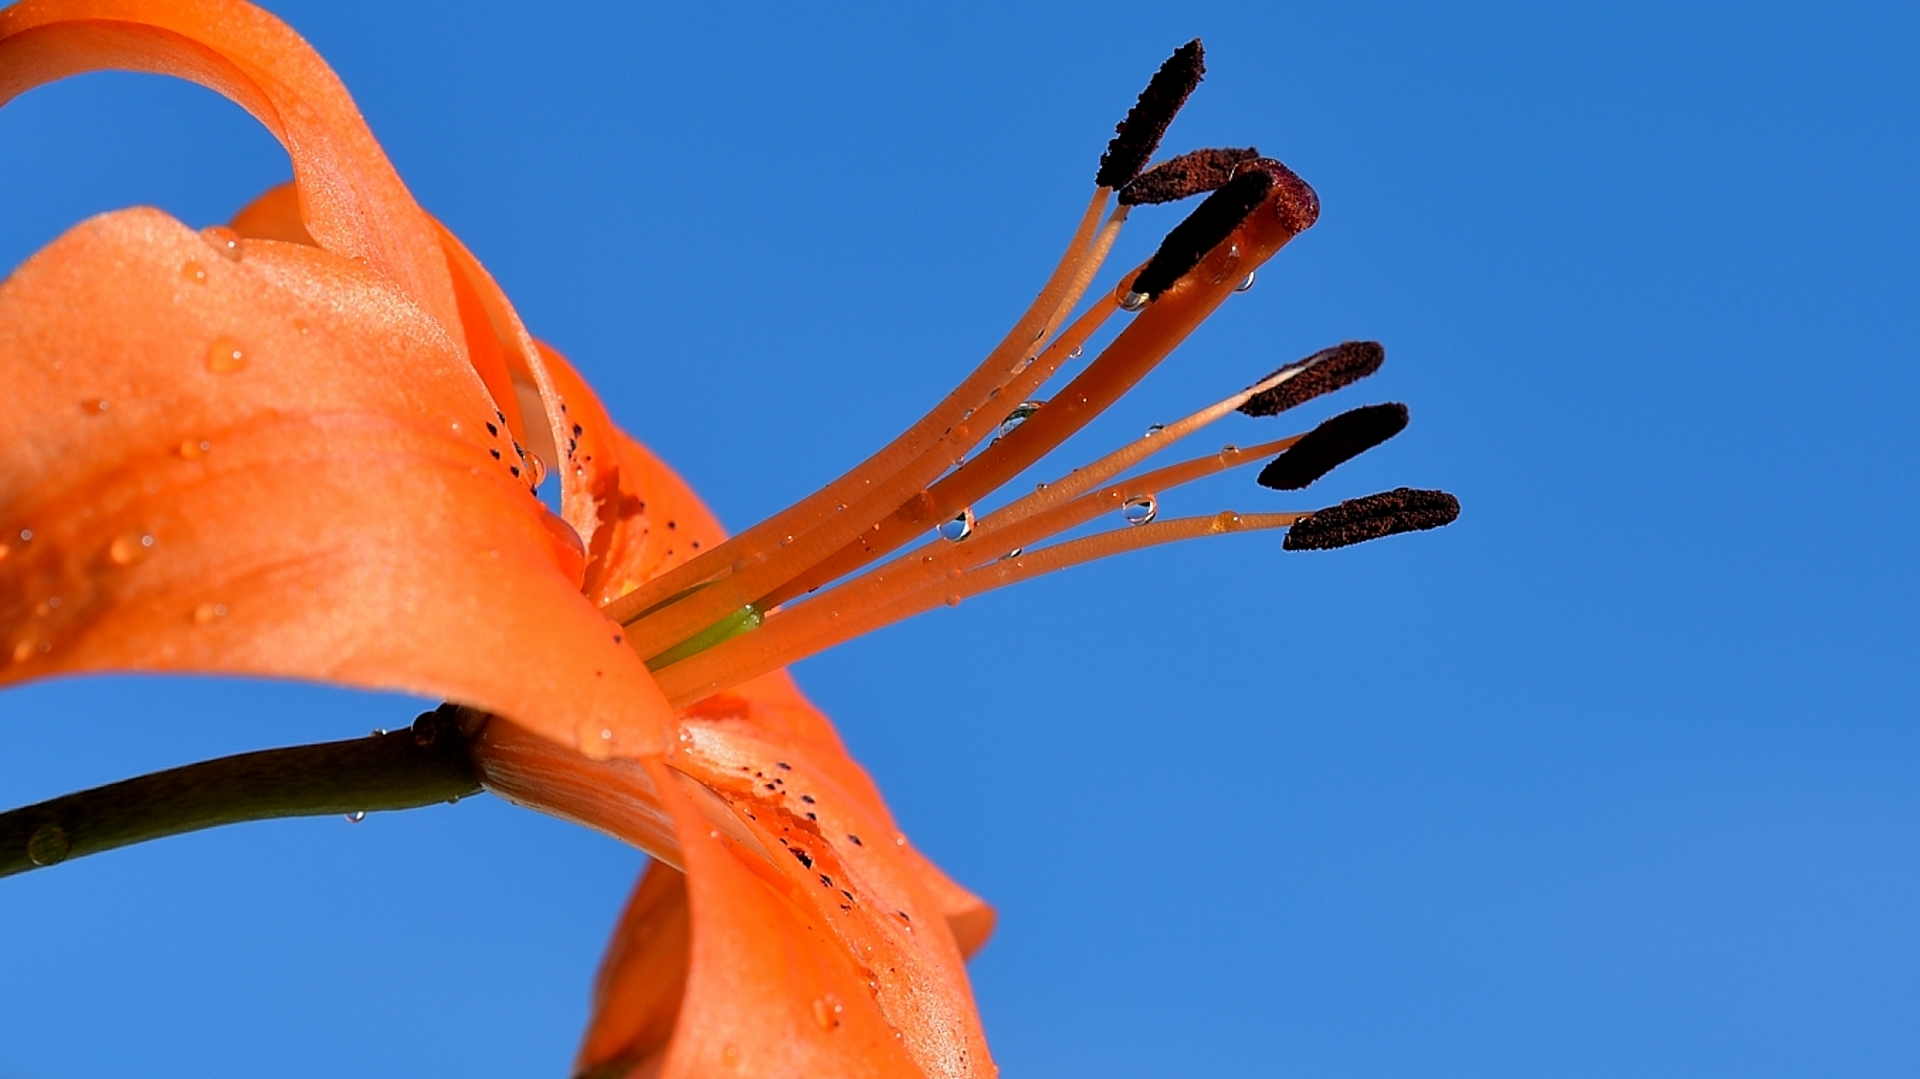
4,552
300,324
194,448
955,573
1155,429
536,469
1140,511
1133,301
1225,521
826,1011
48,845
128,547
207,612
953,599
93,406
356,816
1019,415
22,651
1245,283
1078,350
26,535
960,527
194,272
224,356
224,240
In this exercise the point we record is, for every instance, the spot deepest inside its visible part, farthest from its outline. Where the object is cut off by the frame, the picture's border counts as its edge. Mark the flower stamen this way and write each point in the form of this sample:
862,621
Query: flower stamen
723,616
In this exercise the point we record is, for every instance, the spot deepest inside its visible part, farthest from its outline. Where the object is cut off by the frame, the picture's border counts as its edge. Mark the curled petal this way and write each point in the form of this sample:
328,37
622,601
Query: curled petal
804,957
777,713
279,465
351,200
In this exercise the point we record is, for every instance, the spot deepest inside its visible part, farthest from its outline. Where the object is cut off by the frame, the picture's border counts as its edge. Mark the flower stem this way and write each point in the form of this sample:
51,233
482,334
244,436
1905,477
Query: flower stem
404,769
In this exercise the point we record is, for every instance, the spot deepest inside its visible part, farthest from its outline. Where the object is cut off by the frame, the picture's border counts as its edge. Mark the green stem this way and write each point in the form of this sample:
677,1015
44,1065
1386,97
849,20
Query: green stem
418,766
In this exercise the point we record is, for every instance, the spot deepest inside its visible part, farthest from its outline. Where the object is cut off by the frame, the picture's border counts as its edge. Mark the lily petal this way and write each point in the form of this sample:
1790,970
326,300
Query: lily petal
637,516
804,959
798,886
351,200
280,466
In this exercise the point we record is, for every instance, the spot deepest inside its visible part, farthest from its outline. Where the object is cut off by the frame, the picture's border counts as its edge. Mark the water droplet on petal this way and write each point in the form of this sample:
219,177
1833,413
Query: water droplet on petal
48,845
536,469
26,535
93,406
194,448
1225,521
1133,301
224,240
300,324
22,651
826,1011
4,552
960,527
194,272
1078,350
207,612
224,356
1140,511
1155,429
356,816
953,599
127,547
1019,415
1245,283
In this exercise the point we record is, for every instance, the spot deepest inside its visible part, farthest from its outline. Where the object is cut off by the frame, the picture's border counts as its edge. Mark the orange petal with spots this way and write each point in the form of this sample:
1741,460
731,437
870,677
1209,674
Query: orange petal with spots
638,517
777,713
280,465
804,957
351,200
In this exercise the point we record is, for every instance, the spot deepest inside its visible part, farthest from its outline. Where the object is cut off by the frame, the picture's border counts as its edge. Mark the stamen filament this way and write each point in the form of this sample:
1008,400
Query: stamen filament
752,583
704,675
1148,339
826,506
1090,476
793,630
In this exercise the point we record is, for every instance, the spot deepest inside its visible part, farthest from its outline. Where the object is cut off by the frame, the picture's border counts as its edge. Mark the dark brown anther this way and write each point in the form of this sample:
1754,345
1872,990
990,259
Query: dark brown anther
1323,372
1332,444
1210,223
1358,520
1136,137
1193,173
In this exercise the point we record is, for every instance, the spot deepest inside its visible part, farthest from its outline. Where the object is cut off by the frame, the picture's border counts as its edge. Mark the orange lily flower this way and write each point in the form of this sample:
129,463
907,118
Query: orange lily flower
309,444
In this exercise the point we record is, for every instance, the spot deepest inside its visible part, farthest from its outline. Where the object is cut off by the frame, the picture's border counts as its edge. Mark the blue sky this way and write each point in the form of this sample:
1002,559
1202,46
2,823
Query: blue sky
1615,776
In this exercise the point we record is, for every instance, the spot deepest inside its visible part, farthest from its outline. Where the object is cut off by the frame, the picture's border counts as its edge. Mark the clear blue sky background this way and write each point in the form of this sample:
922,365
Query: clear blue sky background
1616,776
